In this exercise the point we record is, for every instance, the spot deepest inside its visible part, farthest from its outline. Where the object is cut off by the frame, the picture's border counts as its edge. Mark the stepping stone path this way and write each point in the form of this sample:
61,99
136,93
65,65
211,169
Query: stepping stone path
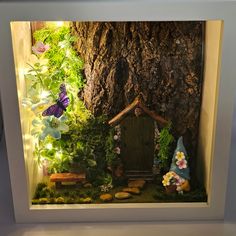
122,195
136,183
106,197
132,190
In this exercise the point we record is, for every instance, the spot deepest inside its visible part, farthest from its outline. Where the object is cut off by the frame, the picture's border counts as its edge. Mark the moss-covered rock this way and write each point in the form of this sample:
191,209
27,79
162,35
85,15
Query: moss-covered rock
35,201
43,200
86,200
60,200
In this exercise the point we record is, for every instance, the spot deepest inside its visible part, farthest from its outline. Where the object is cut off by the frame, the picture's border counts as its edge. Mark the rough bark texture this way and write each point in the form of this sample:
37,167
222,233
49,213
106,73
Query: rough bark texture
161,60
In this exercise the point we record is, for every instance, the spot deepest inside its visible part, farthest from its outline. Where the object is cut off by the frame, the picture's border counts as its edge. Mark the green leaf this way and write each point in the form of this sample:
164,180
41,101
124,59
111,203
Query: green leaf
91,162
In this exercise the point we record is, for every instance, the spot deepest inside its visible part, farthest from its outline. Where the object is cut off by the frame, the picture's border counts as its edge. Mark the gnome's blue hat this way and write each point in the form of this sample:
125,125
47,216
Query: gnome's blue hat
183,173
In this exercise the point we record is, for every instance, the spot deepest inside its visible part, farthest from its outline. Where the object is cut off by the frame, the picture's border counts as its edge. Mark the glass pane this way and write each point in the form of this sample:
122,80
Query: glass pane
110,111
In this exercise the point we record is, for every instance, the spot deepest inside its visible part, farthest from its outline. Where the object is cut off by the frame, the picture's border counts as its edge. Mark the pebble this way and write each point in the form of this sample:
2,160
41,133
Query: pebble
122,195
106,197
131,190
136,183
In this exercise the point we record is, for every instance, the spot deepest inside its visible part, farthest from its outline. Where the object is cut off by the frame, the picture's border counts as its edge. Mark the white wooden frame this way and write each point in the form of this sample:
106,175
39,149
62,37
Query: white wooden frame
118,10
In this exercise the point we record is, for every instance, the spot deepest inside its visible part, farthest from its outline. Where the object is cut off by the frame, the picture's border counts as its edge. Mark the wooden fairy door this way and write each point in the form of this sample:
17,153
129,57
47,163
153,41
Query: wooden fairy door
137,143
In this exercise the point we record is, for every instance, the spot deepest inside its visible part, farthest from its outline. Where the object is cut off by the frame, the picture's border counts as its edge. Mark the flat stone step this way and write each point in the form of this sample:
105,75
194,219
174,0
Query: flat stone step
60,178
150,179
136,175
138,171
67,177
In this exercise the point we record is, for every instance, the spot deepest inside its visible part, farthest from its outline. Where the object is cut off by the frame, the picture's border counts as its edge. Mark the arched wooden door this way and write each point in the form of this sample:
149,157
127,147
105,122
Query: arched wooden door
137,143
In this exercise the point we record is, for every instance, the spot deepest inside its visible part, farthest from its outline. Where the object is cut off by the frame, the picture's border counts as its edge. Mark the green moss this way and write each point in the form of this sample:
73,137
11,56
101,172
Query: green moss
165,141
70,200
86,200
152,193
43,200
35,201
60,200
197,195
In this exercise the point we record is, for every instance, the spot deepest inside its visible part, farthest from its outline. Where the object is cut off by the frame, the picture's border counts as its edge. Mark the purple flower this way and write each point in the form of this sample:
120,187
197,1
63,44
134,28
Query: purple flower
39,48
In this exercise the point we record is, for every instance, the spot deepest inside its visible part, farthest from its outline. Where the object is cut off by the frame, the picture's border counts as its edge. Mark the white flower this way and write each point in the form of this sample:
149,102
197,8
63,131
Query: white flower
117,150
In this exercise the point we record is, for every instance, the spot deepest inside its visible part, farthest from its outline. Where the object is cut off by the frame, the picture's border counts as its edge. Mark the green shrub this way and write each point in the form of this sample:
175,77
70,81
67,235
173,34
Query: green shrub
165,140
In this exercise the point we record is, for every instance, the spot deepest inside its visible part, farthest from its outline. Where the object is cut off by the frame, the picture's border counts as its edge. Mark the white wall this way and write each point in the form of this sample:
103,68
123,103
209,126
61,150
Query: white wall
212,61
21,41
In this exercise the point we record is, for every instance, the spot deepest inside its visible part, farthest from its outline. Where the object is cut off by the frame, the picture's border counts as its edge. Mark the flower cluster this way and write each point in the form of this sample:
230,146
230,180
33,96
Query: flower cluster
106,187
116,138
181,160
171,178
39,48
49,126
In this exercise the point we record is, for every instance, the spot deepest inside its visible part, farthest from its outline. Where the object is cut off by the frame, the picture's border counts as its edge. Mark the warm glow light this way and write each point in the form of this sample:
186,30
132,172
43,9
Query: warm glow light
56,23
49,146
59,23
21,72
27,147
27,136
58,154
44,94
19,94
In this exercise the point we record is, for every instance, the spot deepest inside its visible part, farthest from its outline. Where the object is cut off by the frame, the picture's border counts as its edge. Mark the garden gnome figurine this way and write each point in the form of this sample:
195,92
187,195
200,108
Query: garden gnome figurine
178,175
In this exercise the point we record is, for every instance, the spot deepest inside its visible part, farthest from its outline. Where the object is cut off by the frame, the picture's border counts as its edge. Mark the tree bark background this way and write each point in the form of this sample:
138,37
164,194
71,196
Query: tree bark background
162,60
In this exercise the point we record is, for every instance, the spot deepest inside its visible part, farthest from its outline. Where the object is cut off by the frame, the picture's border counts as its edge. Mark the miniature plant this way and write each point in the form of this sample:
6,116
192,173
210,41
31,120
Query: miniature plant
164,141
113,145
66,134
53,64
43,191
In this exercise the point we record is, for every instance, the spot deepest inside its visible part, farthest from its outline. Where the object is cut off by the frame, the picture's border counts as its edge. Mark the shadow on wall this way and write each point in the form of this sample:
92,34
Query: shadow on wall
1,121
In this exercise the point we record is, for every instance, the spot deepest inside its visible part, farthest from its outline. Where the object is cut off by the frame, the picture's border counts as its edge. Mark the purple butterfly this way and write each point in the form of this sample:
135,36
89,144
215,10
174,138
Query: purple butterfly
62,102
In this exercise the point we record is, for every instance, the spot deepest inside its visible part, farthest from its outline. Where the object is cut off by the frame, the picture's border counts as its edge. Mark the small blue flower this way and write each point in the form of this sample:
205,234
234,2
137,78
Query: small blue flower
49,126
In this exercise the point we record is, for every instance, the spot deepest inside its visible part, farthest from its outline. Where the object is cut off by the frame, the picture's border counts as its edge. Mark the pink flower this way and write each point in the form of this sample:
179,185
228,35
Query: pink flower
40,48
115,137
117,150
178,180
182,164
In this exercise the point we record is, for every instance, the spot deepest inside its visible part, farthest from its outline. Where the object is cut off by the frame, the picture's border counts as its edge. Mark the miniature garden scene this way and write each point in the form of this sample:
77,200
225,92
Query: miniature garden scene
114,110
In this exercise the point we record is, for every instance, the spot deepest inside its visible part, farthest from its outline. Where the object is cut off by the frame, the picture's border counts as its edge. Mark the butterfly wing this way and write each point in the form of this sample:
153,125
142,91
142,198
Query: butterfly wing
58,112
53,110
65,102
58,108
63,98
63,88
50,110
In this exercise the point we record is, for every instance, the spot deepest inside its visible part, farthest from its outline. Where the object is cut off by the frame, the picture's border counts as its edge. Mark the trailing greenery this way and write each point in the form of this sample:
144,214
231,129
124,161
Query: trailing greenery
46,72
89,148
64,65
77,139
164,141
